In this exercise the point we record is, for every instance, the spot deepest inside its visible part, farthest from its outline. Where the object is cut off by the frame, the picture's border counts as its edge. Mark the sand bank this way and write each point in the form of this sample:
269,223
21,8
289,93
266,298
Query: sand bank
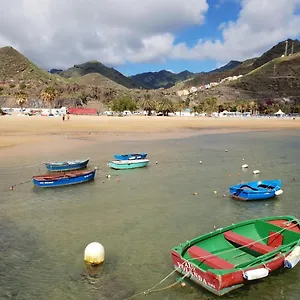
21,130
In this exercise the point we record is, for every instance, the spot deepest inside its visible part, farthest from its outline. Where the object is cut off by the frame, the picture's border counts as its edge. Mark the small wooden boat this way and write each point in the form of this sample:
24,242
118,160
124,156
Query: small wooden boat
128,164
130,156
66,178
256,190
225,259
67,165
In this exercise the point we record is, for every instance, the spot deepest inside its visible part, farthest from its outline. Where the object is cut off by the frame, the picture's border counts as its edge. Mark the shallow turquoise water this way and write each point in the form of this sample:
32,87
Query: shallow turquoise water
139,218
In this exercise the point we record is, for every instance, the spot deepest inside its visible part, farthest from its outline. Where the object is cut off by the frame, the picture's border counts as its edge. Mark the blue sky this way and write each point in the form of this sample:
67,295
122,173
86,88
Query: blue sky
219,12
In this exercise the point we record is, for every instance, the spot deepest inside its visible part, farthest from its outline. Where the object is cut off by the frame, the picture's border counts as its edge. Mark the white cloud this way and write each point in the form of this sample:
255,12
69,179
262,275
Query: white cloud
59,33
261,24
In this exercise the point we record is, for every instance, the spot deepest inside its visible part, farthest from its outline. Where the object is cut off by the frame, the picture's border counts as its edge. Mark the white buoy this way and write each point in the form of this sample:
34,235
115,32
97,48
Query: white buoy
94,253
108,176
256,172
279,192
200,162
226,150
156,162
244,166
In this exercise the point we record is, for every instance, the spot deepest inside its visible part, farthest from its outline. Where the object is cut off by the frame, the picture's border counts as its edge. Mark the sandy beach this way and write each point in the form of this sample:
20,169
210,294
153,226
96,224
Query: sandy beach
19,132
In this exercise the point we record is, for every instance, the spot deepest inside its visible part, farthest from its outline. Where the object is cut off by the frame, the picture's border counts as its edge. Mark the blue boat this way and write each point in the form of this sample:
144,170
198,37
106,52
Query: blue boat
128,164
140,155
61,179
256,190
67,165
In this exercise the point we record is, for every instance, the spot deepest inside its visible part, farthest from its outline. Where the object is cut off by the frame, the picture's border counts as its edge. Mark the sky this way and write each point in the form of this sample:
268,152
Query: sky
136,36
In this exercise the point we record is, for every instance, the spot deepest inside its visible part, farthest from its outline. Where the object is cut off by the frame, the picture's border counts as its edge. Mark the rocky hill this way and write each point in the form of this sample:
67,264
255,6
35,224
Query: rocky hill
16,67
277,51
162,79
18,73
277,78
231,65
96,67
244,67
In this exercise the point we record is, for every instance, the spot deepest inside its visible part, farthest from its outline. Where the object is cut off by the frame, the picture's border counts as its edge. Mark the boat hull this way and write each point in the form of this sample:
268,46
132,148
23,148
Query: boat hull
131,156
128,164
254,190
66,166
64,180
219,284
225,259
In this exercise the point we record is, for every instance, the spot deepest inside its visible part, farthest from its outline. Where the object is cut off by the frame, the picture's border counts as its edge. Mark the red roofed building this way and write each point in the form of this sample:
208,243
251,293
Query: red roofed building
82,111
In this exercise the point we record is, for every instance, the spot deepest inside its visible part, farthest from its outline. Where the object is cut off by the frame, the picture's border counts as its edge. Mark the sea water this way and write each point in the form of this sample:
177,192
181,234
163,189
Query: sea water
139,215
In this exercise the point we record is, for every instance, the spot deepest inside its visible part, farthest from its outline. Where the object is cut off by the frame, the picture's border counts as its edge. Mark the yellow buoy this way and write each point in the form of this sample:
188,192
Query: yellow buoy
94,253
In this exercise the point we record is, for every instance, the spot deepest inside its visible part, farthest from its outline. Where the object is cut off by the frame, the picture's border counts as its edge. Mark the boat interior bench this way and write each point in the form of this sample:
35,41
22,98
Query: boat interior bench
209,259
241,240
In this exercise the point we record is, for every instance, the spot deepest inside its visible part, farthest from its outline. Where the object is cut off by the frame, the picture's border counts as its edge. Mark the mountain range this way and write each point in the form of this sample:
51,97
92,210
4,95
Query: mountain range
167,79
269,75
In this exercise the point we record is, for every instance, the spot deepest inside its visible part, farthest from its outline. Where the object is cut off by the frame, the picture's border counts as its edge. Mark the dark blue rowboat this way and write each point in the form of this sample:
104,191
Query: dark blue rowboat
66,178
131,156
67,165
256,190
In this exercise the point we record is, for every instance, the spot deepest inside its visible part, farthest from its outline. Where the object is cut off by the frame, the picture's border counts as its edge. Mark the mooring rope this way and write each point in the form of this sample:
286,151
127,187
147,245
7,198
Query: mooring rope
152,290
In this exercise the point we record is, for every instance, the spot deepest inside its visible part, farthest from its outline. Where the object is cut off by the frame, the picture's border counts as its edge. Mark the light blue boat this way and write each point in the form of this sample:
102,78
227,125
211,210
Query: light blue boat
256,190
63,178
140,155
67,165
128,164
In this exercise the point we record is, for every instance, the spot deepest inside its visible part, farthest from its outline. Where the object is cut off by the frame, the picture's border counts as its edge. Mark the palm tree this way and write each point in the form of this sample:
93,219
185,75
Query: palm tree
21,99
228,106
252,106
239,106
210,105
48,95
180,105
147,104
165,105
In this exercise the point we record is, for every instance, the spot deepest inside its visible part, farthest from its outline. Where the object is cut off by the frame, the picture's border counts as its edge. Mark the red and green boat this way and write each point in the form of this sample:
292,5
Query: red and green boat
227,258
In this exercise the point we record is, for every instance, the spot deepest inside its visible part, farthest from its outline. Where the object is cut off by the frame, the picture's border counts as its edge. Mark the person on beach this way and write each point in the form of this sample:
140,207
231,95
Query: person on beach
63,117
68,116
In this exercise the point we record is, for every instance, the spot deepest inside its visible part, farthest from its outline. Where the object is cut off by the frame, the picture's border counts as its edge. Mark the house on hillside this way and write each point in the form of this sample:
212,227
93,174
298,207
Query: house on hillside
193,89
182,93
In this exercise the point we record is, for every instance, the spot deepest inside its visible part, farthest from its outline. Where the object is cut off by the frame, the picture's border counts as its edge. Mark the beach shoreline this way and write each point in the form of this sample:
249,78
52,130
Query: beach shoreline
30,134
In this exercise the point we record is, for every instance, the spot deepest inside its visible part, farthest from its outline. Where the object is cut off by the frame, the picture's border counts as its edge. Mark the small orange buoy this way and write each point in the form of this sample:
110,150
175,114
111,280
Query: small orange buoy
11,188
118,179
229,175
239,174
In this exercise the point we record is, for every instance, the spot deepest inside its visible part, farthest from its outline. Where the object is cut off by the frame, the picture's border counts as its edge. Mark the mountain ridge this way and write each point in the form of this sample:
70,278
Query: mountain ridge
161,79
278,77
95,66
